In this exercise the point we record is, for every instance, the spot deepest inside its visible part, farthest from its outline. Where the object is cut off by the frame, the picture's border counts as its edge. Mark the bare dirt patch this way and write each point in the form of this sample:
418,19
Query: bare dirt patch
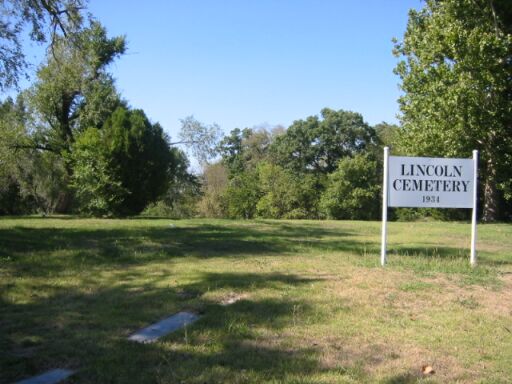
232,298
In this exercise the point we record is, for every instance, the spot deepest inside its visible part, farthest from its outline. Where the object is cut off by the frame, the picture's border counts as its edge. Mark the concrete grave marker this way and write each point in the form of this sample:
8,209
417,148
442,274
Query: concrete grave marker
51,377
154,332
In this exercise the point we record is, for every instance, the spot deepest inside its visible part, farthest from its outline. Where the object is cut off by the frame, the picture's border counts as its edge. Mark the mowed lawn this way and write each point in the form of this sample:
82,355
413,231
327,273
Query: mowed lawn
280,301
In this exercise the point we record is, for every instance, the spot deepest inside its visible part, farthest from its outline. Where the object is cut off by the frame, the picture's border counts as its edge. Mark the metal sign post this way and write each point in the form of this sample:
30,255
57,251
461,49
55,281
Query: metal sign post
429,182
384,209
473,214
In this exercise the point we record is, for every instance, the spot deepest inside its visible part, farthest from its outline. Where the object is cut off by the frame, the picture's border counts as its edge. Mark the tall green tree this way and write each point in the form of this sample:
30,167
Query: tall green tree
96,179
318,143
29,179
243,149
387,134
122,167
12,130
73,92
456,74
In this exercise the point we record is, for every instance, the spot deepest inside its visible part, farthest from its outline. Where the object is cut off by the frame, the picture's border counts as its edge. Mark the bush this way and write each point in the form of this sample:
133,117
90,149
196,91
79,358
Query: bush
121,168
353,190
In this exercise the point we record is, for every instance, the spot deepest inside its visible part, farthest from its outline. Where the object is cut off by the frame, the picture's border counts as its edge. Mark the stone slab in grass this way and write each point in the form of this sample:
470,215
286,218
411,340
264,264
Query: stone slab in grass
154,332
51,377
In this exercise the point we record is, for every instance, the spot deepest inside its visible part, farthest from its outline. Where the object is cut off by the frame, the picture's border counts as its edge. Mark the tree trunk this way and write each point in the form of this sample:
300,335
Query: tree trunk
65,199
64,202
490,211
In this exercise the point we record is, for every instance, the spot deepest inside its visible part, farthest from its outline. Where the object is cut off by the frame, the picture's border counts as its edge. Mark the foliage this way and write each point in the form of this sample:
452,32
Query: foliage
46,19
387,134
276,174
316,145
96,182
456,77
12,130
184,207
42,177
123,167
74,91
243,194
285,194
214,186
183,194
353,190
243,149
12,202
31,179
422,214
141,153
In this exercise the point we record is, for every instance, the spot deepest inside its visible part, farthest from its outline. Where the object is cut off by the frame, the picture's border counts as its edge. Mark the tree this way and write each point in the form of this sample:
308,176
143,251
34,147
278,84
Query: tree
127,165
183,192
37,175
12,131
316,145
387,134
353,190
242,150
242,195
231,150
47,20
73,92
29,179
131,167
456,76
200,138
96,179
214,185
285,194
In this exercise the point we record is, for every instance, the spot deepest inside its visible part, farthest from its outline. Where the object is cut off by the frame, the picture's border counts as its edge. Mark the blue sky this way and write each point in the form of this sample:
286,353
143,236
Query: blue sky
245,63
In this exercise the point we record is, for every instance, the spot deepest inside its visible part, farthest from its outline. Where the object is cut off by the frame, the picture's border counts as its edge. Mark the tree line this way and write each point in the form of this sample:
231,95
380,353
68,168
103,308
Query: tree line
71,144
322,167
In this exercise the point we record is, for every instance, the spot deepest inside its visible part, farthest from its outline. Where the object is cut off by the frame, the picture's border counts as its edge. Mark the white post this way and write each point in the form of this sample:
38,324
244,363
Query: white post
384,208
473,216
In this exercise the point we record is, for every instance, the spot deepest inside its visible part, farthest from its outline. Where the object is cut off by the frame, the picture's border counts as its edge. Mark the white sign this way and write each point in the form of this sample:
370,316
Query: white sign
430,182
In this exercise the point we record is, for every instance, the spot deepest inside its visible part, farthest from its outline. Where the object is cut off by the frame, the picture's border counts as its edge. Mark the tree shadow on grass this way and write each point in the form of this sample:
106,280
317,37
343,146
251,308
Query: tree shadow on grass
38,251
405,378
88,330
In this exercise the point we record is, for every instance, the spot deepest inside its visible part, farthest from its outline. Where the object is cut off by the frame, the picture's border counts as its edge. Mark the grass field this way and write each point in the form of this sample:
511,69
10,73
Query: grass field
310,302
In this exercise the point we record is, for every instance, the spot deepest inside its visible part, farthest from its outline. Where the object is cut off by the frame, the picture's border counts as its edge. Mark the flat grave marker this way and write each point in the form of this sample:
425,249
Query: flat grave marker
51,377
155,331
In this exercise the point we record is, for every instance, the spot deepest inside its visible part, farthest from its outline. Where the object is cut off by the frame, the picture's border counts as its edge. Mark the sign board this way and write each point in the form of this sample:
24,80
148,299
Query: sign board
430,182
